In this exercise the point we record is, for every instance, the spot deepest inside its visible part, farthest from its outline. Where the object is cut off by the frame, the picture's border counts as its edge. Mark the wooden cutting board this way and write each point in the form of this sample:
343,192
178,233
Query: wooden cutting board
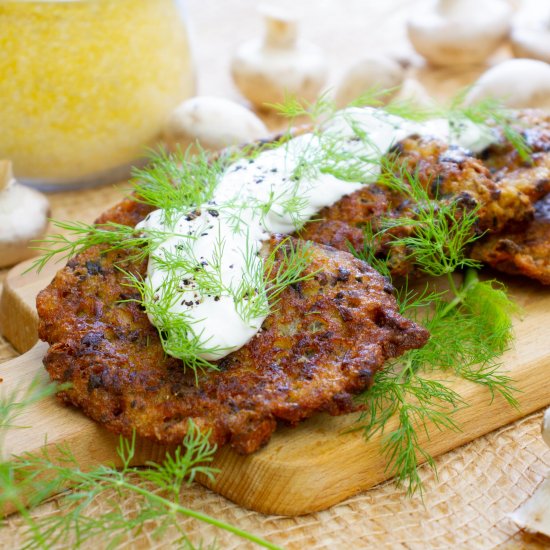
301,470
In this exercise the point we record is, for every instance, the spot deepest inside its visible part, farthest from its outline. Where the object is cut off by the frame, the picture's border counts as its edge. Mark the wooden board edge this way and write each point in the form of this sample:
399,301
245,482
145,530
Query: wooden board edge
18,315
309,480
18,321
365,468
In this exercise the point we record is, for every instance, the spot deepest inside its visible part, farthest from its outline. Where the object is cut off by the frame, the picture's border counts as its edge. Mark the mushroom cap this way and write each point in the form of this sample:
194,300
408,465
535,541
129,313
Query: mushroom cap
414,93
266,75
371,72
460,32
533,43
517,83
213,122
23,217
530,35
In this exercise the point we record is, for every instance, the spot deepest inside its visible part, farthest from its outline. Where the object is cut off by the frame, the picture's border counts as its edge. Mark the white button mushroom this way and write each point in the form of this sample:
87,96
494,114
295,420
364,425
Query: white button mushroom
534,514
413,93
214,123
546,427
376,72
517,83
530,35
459,32
280,63
23,217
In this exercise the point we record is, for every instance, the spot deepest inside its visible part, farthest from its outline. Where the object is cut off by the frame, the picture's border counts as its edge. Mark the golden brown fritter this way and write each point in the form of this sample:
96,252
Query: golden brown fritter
522,247
447,173
450,173
531,177
534,126
523,250
323,344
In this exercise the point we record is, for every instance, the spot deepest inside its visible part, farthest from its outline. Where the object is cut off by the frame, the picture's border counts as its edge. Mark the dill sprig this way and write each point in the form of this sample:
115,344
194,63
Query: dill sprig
156,491
487,114
470,326
177,182
110,236
440,232
468,333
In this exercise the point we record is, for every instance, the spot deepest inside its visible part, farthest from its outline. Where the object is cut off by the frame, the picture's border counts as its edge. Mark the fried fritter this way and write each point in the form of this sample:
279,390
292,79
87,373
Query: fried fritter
522,247
323,344
508,168
447,173
522,251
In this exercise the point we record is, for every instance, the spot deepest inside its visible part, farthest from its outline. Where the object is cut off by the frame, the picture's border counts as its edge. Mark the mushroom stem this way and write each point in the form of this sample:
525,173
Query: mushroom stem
6,173
280,32
449,7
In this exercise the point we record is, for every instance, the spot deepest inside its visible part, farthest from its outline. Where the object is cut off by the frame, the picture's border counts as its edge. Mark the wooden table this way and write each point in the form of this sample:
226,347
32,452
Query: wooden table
478,483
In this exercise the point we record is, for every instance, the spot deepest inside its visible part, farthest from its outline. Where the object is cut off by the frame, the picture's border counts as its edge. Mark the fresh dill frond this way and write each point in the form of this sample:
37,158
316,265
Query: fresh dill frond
285,266
439,232
468,333
293,108
156,491
177,182
82,236
487,114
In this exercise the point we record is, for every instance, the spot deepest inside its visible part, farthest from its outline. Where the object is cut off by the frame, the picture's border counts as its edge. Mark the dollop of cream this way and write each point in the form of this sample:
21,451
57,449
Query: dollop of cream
276,192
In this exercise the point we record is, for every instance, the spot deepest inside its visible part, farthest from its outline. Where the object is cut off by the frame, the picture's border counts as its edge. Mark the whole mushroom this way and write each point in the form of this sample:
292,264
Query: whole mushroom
459,32
212,122
517,83
534,513
413,93
23,217
280,64
530,35
372,72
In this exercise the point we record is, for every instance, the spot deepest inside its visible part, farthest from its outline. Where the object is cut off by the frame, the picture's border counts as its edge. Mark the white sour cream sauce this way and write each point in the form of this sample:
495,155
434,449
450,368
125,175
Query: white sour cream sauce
267,180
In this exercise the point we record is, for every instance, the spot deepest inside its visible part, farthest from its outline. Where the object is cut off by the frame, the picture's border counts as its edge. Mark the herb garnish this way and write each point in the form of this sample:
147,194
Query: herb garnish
470,327
28,479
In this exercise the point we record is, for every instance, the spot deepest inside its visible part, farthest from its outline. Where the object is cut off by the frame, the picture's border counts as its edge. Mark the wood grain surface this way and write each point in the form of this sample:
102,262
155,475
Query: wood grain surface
303,469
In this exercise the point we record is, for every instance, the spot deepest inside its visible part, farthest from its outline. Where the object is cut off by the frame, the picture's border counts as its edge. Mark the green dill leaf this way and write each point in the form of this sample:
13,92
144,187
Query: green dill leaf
467,336
156,491
488,113
177,182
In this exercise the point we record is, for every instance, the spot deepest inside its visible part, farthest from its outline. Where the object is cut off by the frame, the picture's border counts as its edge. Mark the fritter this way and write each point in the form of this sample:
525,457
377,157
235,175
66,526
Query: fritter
523,250
447,173
508,168
522,247
320,347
